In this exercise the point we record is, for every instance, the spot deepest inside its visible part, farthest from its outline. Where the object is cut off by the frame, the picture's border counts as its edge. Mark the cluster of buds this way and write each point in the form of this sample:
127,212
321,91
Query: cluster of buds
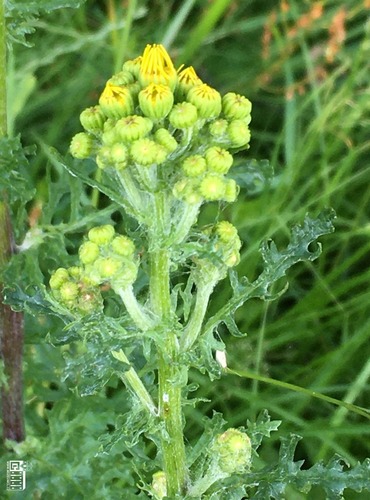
232,451
106,259
226,242
150,116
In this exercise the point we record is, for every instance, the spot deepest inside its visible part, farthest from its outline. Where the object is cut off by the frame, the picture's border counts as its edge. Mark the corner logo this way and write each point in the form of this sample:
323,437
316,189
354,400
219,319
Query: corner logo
16,475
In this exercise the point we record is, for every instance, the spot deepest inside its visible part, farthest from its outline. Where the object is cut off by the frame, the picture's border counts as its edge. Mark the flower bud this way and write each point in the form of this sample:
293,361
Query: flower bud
69,291
156,101
89,301
187,79
104,157
193,166
232,259
82,146
108,267
218,160
144,151
101,235
88,252
157,67
116,101
183,115
122,78
119,155
226,231
75,272
125,277
133,127
109,137
159,484
122,245
206,99
133,66
165,139
212,187
218,128
238,133
233,451
235,106
231,190
187,190
92,119
58,278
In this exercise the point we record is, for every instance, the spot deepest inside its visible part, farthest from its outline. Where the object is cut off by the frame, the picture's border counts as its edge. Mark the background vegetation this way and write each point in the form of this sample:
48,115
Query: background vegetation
305,66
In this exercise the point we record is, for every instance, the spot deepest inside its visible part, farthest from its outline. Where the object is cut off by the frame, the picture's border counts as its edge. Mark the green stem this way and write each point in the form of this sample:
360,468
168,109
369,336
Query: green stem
169,394
135,310
194,325
131,379
11,323
187,219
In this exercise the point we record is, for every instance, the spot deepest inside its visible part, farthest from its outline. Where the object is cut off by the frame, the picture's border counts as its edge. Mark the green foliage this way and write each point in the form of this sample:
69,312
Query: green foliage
310,118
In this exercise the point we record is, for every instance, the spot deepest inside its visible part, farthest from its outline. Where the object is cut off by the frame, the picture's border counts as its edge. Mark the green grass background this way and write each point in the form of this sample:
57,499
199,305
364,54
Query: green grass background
306,71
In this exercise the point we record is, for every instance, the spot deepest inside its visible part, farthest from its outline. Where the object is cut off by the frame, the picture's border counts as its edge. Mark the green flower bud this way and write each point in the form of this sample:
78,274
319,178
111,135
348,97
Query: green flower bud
82,146
226,231
156,101
183,115
133,66
119,155
75,272
235,106
218,160
88,252
165,139
109,124
238,133
232,259
212,187
187,79
206,99
159,484
231,190
133,127
144,151
69,291
122,245
104,157
187,190
193,166
101,235
92,119
125,277
116,101
58,278
218,128
162,154
109,137
89,301
157,67
122,78
108,267
233,451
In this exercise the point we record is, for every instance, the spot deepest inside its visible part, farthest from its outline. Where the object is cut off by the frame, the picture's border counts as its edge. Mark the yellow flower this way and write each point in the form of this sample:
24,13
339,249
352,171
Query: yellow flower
156,101
187,80
116,101
157,67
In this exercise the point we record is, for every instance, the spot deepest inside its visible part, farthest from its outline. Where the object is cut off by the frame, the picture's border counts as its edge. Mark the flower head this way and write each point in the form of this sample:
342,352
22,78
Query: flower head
187,79
157,67
156,101
116,101
206,99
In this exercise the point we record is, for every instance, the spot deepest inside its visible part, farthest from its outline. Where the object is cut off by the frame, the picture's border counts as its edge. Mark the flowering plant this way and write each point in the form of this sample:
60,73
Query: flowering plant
161,143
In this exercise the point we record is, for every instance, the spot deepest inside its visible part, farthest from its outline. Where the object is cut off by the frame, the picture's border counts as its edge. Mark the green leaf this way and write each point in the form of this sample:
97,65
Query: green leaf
333,477
15,179
21,16
276,264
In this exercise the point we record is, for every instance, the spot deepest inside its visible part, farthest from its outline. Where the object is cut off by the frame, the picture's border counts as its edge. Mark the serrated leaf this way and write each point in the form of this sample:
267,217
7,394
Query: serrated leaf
21,16
254,176
276,264
15,178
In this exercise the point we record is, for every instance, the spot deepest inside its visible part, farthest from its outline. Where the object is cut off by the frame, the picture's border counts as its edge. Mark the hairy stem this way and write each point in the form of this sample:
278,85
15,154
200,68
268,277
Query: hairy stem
11,324
135,310
170,410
